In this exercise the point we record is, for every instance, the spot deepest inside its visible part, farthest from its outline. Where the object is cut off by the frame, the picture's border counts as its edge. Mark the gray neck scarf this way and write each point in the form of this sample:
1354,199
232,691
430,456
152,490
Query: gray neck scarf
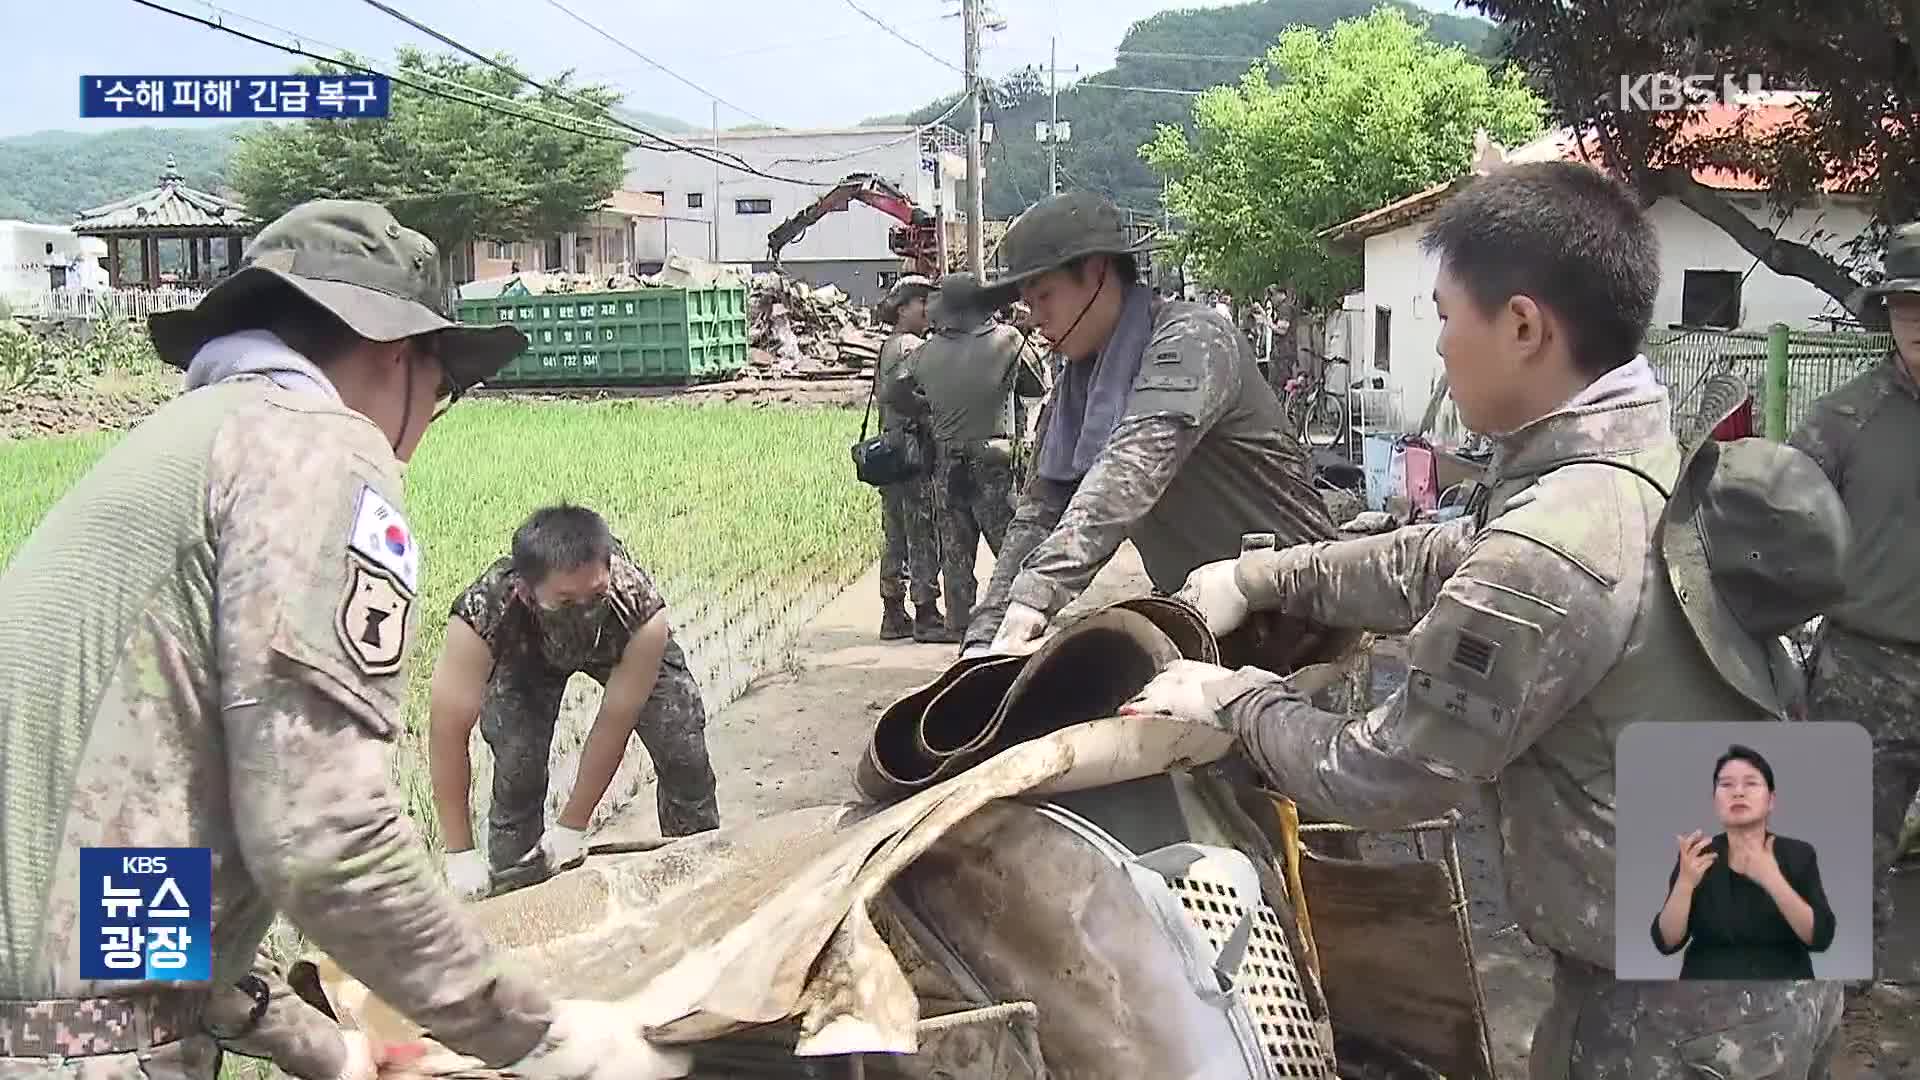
256,352
1089,397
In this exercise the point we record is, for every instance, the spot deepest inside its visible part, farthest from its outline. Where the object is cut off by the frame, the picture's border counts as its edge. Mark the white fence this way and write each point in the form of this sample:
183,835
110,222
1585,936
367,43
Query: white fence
101,303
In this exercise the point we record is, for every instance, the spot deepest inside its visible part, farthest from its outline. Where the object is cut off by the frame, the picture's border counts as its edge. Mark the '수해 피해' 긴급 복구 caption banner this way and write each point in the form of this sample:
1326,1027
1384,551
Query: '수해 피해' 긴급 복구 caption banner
235,97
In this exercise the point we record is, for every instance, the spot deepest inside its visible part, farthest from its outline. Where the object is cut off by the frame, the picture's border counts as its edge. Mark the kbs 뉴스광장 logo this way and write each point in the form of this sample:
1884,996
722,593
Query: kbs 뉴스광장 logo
146,913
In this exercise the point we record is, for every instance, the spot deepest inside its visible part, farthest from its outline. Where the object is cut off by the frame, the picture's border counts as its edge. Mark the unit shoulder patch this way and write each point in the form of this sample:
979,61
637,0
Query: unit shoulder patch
382,536
372,617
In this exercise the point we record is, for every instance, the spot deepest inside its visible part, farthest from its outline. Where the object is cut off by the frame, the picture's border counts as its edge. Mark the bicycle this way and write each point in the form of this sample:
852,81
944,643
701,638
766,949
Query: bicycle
1316,413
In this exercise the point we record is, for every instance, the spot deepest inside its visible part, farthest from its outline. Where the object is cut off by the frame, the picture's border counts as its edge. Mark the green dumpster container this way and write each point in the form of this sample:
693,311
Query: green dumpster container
635,337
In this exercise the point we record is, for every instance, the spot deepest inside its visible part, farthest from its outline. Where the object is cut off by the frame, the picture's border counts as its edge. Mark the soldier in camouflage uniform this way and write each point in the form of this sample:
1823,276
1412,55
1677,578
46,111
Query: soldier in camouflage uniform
1574,601
568,599
1158,430
966,379
912,550
1866,668
206,645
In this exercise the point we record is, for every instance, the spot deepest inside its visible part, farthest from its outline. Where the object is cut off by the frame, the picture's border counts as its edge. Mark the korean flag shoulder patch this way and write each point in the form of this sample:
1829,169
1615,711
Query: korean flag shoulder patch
382,537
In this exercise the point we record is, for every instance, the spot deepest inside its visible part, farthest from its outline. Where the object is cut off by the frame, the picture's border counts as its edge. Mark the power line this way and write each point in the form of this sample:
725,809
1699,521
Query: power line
1138,89
569,12
509,70
517,103
924,51
1190,56
660,143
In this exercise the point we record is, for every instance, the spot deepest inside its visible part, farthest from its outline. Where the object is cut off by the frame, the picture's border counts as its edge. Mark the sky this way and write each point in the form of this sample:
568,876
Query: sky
786,63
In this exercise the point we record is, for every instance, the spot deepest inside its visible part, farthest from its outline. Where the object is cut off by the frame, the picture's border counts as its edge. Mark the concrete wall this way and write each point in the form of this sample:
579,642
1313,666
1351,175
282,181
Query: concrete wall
1399,278
859,233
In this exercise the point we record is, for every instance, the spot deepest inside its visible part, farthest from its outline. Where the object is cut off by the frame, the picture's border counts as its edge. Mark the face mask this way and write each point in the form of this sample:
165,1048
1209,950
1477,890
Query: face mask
569,633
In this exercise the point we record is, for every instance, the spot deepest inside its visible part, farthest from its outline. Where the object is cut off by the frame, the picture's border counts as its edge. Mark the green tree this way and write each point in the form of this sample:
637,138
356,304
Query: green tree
1329,126
457,172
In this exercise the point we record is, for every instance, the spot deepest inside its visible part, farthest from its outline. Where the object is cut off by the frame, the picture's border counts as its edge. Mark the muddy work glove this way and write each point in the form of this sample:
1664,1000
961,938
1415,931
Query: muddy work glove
1181,691
1020,631
561,847
468,875
1213,592
594,1040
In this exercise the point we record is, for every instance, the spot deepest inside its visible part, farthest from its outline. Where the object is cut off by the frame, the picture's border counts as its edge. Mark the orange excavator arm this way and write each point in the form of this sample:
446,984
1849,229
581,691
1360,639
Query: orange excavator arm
861,187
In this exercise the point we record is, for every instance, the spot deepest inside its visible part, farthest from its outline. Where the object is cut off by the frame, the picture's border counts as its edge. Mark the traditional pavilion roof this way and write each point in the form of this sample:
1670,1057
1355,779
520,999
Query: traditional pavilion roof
173,207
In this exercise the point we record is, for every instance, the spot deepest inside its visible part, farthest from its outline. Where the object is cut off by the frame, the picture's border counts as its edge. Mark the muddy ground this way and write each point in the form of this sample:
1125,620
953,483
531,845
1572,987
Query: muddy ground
794,739
112,403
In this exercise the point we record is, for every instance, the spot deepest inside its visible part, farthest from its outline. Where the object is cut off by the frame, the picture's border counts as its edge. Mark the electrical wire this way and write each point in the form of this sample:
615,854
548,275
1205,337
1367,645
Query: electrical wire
923,50
569,12
714,156
918,131
660,143
518,103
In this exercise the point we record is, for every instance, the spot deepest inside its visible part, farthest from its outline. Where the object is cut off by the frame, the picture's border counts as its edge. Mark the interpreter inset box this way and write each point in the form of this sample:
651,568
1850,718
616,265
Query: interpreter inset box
1743,851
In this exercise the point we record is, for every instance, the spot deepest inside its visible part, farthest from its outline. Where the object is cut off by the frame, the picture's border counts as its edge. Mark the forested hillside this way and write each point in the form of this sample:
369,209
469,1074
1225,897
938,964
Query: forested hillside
50,175
1109,126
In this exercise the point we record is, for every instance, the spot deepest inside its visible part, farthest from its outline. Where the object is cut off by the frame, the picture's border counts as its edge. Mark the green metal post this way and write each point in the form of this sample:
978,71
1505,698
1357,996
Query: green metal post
1776,394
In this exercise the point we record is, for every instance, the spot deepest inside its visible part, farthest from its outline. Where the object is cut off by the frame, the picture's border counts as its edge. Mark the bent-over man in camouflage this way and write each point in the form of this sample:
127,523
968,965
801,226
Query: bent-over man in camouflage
1866,667
912,550
567,599
1574,601
966,378
206,645
1159,429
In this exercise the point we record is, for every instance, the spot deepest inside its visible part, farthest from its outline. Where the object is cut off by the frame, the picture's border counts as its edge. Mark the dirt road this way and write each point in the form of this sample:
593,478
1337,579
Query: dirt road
794,739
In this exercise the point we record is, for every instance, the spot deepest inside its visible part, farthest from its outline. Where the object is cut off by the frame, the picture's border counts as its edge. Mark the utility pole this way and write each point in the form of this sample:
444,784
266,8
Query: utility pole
976,210
940,210
1053,116
715,214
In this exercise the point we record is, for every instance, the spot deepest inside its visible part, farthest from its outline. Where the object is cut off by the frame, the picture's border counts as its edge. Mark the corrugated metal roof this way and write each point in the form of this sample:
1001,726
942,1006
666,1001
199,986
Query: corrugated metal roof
171,207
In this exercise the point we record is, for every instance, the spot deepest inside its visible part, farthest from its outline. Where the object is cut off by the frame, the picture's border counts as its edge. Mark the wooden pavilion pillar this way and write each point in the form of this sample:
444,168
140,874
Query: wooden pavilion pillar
113,262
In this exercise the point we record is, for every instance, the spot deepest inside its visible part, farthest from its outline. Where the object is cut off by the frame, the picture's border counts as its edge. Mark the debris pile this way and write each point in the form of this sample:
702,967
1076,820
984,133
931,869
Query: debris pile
796,330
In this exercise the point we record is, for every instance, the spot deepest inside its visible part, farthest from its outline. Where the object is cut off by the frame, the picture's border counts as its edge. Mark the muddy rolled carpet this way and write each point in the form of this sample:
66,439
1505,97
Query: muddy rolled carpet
1086,671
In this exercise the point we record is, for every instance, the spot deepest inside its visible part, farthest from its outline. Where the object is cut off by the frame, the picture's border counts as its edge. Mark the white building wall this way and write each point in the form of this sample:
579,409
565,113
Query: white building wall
1399,277
858,233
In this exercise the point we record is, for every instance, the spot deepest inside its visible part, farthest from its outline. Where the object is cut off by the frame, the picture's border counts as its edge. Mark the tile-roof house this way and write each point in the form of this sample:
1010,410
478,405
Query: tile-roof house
1706,278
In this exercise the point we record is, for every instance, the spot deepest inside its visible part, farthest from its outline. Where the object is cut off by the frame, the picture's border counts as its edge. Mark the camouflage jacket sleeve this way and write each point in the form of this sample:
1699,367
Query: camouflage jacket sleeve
901,392
635,596
1381,583
1513,641
316,574
1827,434
1188,376
303,1041
1035,515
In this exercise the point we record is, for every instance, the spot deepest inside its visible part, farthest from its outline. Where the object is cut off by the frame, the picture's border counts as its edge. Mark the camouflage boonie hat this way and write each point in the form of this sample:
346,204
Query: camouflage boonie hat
960,303
354,259
903,291
1054,232
1755,540
1900,264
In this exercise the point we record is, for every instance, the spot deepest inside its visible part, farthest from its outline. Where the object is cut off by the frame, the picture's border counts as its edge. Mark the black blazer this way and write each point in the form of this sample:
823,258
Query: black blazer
1736,931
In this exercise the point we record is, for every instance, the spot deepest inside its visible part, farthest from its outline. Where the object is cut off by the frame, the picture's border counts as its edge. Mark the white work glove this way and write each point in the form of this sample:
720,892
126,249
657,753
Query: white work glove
595,1040
1020,631
1215,594
972,651
1180,691
561,846
468,874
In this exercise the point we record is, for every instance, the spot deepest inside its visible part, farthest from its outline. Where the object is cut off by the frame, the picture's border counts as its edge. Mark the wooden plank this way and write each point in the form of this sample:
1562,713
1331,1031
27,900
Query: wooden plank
1392,960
